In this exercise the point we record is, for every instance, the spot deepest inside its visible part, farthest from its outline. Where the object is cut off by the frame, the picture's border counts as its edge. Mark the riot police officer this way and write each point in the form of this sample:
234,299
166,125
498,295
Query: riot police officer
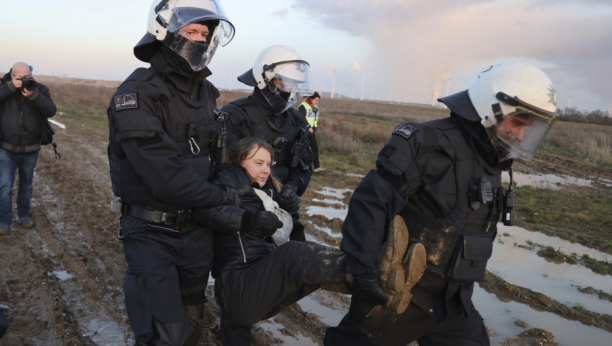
444,179
160,121
278,76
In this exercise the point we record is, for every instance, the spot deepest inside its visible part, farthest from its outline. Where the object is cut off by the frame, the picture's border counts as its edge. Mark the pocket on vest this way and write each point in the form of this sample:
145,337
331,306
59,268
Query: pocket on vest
469,260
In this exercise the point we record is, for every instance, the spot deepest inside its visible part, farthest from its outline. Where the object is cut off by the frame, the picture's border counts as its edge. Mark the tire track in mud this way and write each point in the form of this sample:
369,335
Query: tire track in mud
73,232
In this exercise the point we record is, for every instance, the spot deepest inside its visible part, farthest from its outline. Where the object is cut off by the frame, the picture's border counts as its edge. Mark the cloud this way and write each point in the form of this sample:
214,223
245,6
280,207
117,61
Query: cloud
416,43
281,13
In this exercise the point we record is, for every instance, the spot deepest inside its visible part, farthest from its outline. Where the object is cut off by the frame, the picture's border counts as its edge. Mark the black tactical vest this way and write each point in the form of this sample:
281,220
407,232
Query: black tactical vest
457,233
260,126
190,128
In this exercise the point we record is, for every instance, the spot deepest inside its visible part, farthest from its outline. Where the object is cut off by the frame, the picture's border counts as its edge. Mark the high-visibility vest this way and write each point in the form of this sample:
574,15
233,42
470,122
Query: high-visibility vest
312,114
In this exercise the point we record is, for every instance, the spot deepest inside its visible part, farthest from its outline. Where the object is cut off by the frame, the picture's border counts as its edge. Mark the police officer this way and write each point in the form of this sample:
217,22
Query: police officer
444,179
160,121
278,76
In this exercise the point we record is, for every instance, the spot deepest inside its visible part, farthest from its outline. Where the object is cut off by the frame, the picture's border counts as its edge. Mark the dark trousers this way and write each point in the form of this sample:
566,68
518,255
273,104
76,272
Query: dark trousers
165,282
312,138
9,163
286,275
388,329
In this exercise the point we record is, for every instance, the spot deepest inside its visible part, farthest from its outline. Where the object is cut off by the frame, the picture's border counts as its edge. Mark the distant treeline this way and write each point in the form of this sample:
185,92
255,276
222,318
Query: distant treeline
594,117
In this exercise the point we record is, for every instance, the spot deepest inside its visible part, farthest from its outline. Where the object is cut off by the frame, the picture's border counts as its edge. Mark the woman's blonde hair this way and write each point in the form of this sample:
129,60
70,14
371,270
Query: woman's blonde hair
240,150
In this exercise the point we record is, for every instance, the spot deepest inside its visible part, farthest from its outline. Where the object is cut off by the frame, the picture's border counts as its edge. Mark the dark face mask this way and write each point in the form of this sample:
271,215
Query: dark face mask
196,53
279,100
285,95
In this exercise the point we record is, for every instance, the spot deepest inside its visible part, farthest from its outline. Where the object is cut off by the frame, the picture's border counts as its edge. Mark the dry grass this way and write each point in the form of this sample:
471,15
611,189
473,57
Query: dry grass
350,132
584,140
397,113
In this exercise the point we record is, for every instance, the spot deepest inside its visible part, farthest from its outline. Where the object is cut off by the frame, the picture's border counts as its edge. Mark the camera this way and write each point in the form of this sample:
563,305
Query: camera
29,83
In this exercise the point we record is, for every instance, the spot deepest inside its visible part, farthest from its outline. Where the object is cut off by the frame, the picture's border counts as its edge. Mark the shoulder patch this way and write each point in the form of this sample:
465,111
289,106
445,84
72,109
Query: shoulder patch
126,101
405,130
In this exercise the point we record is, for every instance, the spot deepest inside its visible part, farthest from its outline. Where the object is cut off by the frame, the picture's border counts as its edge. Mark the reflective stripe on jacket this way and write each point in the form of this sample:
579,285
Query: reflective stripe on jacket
312,114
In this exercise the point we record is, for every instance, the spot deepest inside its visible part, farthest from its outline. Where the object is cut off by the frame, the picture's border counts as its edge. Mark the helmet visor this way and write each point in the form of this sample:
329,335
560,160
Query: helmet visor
286,80
207,12
197,52
517,128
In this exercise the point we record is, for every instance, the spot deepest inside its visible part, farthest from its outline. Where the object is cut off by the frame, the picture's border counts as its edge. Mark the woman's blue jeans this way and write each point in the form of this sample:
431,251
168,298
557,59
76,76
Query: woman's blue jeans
9,163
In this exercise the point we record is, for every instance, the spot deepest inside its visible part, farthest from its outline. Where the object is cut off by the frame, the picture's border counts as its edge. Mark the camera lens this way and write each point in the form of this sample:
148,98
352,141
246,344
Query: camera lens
29,83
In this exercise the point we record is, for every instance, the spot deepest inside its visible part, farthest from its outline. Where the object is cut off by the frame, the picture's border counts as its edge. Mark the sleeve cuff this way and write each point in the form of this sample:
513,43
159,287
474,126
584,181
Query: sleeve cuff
33,95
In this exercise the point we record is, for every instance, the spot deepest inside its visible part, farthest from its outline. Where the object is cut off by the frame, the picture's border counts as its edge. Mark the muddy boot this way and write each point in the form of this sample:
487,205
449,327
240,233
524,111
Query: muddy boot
392,275
5,230
414,264
400,270
26,222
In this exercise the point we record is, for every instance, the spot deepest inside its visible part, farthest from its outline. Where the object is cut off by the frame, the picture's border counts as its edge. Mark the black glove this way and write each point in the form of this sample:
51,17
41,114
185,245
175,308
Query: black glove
266,223
297,233
288,199
367,288
230,196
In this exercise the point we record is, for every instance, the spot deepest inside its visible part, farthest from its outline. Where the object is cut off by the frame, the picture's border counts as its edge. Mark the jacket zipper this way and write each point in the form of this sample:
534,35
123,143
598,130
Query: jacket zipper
241,247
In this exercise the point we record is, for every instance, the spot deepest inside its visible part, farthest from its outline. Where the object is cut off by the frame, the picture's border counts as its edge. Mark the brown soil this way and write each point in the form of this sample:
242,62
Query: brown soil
494,284
599,267
601,294
532,337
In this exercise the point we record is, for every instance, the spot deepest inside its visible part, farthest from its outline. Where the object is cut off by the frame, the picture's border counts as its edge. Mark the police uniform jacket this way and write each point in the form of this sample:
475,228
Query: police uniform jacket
161,120
21,117
425,173
237,245
254,117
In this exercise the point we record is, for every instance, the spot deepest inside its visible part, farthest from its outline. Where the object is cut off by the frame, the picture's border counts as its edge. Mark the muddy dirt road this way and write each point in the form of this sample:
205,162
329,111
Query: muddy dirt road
63,278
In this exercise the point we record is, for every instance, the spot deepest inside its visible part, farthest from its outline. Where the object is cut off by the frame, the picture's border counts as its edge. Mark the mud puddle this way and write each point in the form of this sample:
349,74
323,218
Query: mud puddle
522,267
500,313
284,336
549,181
520,234
327,315
328,212
334,197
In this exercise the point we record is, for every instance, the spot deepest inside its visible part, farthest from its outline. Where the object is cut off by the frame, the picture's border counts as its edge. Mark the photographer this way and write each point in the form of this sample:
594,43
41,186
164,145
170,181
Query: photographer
24,104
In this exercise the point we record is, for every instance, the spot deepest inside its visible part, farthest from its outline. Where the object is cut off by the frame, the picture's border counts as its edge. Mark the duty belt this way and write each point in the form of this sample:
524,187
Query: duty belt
179,218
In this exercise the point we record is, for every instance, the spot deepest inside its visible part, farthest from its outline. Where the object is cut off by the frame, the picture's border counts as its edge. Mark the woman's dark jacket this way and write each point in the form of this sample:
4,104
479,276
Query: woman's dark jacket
237,245
21,116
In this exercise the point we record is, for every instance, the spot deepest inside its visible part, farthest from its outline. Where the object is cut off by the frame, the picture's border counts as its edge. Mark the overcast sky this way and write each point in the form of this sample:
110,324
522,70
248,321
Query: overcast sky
401,48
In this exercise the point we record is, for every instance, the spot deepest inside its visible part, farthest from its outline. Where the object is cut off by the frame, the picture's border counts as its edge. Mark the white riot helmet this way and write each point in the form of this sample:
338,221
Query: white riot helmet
515,102
281,75
167,17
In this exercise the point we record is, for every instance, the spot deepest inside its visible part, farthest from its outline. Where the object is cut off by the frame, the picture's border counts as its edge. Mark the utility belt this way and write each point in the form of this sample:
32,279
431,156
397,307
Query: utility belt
171,220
